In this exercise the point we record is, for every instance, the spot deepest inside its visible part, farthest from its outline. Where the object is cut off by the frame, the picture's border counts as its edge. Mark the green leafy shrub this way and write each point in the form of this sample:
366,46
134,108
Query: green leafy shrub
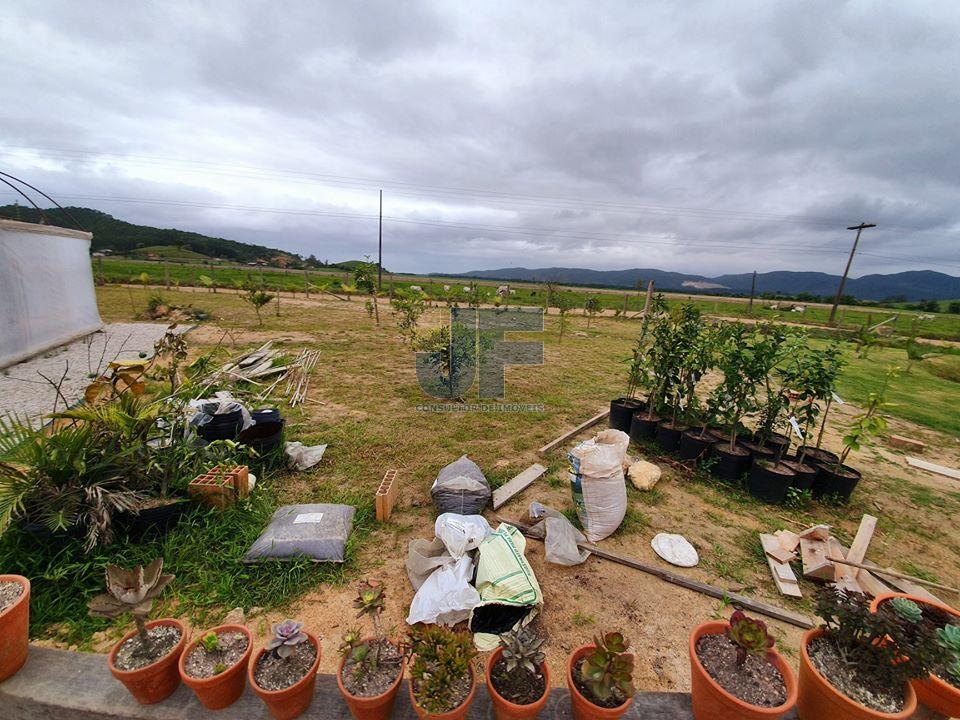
441,663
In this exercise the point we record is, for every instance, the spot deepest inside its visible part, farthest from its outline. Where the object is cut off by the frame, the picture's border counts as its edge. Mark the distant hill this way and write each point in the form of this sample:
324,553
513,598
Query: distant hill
911,285
123,237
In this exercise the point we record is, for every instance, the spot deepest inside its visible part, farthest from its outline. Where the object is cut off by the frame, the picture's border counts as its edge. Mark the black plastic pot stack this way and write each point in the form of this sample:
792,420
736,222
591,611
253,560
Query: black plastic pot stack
266,435
621,412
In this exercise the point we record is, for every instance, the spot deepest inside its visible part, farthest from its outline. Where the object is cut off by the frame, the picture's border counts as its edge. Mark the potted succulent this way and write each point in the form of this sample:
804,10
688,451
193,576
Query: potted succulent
939,691
838,480
442,682
518,679
214,665
859,664
600,678
735,672
284,673
370,668
145,660
14,623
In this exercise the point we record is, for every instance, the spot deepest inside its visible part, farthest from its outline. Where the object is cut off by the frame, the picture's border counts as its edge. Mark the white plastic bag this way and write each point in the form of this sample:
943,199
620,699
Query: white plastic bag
560,536
597,484
447,597
461,533
301,457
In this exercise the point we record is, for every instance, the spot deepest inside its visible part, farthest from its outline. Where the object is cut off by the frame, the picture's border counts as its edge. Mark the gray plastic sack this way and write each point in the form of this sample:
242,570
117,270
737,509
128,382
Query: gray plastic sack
317,532
461,488
560,537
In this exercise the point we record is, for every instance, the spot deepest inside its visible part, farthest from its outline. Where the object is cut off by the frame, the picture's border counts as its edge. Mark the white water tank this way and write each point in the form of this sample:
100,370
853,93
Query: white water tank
46,289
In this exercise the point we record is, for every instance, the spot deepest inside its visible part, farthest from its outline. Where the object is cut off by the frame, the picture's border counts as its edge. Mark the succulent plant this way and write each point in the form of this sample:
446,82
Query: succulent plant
210,642
370,601
608,669
131,591
954,670
906,609
749,635
521,649
948,637
285,636
441,660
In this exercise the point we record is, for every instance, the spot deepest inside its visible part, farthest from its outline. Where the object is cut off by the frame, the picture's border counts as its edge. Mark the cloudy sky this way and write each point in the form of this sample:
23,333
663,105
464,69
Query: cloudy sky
704,137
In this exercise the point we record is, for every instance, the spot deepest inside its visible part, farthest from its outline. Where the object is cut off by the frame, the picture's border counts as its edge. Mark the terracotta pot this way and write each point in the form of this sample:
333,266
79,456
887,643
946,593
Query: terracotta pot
372,707
712,702
818,699
583,709
15,630
503,709
293,701
934,693
222,690
155,682
458,713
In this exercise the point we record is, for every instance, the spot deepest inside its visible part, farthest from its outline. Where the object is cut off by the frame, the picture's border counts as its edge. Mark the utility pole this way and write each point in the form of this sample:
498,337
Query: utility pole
380,247
843,280
753,290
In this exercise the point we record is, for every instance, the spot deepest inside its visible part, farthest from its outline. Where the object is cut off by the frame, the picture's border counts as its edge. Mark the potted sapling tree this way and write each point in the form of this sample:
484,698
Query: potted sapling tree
859,665
735,672
284,673
825,369
661,368
371,668
600,678
14,624
518,679
734,398
145,660
214,665
940,690
837,481
623,408
442,681
693,349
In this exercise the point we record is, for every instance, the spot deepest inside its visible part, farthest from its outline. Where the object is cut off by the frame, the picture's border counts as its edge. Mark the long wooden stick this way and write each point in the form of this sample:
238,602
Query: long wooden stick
760,607
569,434
894,573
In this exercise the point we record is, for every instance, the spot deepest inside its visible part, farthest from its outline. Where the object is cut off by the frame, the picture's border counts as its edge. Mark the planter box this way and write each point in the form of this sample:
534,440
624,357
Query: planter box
220,489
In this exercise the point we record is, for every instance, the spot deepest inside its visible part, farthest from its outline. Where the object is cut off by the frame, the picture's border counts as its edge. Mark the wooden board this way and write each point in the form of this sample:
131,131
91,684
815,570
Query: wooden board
776,551
870,584
813,553
783,576
387,495
789,541
817,532
517,484
757,606
858,548
934,468
578,429
841,573
908,587
905,443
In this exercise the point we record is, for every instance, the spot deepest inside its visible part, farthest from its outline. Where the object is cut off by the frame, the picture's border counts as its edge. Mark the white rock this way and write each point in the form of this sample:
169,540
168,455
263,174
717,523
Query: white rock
644,475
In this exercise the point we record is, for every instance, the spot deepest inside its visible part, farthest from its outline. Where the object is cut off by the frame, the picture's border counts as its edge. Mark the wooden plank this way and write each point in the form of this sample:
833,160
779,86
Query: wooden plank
776,551
817,532
933,467
904,443
783,576
517,484
908,587
813,554
386,496
841,572
789,541
870,584
890,572
757,606
858,548
578,429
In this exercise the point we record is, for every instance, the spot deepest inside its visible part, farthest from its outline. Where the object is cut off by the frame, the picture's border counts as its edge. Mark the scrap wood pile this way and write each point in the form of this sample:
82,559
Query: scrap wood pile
824,558
270,369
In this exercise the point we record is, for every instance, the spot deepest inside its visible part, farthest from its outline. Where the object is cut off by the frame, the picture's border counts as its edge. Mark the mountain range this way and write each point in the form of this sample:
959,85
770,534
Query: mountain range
910,285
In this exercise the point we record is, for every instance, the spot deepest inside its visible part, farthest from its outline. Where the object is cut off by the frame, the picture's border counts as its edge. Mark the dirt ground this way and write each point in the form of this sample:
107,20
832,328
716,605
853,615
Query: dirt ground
362,402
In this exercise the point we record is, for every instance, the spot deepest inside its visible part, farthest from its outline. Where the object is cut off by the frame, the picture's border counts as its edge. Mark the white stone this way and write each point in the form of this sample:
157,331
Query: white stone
644,475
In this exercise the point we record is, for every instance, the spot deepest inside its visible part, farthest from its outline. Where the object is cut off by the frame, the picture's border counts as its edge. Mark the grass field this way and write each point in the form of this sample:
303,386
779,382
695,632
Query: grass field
364,403
942,326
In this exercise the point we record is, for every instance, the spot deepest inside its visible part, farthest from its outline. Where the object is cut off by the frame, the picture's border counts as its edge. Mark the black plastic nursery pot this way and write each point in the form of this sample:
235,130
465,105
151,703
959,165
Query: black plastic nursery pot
728,465
642,428
264,437
779,443
692,446
265,415
817,456
225,426
831,484
621,412
769,481
759,452
160,518
668,436
804,474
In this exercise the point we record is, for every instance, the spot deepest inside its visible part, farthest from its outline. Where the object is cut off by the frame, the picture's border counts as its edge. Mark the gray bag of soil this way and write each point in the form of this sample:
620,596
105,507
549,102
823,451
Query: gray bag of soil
461,488
317,532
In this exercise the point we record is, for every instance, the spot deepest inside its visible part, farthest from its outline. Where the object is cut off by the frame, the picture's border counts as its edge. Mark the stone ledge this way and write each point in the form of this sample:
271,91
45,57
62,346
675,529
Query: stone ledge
78,686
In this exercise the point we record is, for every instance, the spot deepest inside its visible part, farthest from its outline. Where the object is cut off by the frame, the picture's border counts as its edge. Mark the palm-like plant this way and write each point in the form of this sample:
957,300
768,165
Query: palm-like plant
131,591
